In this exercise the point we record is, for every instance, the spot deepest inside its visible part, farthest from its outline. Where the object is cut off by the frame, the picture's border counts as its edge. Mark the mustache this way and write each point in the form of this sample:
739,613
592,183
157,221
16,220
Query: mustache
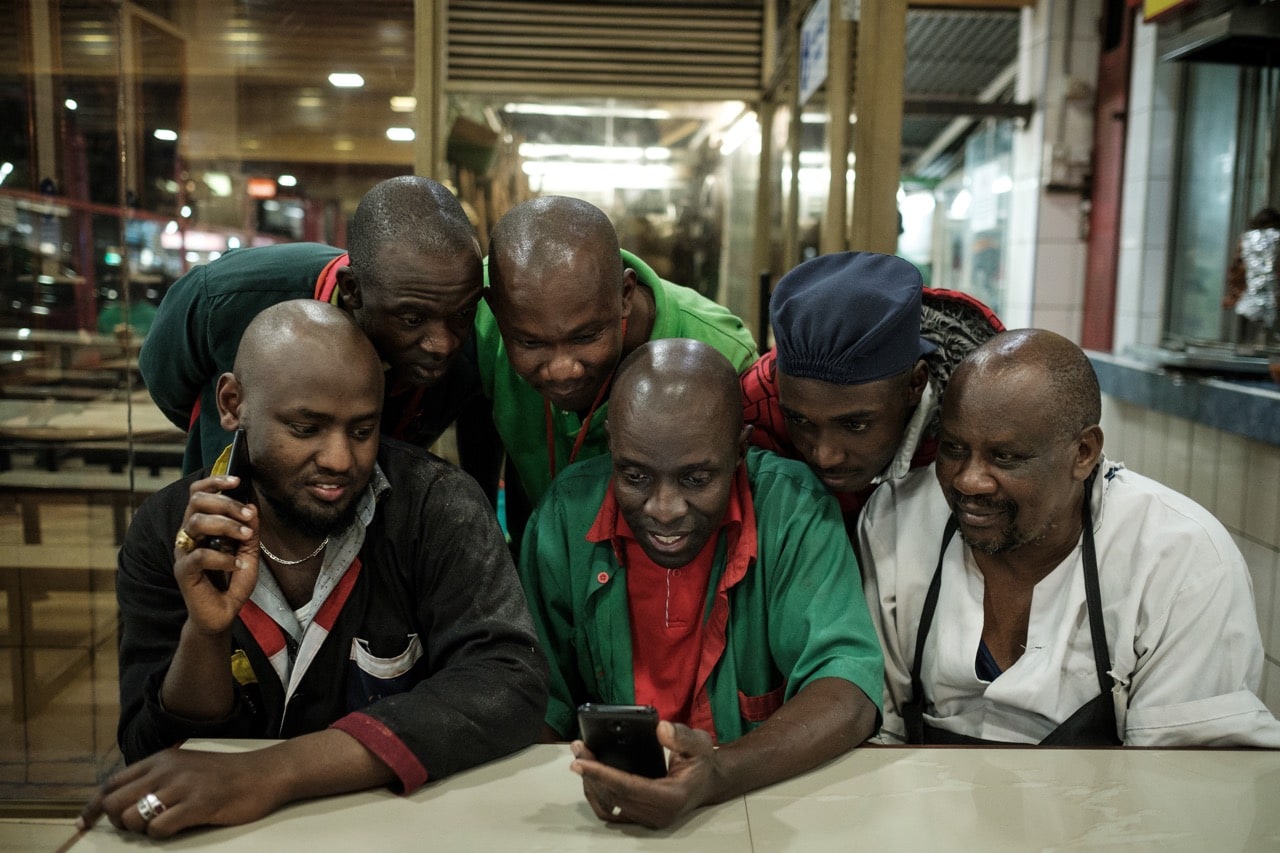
982,503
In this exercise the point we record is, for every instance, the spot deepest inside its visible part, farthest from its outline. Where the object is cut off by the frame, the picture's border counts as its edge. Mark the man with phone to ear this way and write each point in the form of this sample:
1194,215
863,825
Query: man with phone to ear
710,581
372,618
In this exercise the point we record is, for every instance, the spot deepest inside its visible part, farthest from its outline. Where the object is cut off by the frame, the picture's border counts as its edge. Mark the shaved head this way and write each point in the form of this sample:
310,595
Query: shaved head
682,379
677,442
548,232
307,390
561,297
303,333
414,213
1062,367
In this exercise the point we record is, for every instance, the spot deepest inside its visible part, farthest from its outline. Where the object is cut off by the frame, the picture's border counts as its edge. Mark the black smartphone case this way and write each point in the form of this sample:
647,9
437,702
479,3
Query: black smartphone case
625,737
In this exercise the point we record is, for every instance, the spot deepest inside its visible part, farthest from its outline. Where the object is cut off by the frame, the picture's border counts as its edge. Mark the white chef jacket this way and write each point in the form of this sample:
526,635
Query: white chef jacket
1177,603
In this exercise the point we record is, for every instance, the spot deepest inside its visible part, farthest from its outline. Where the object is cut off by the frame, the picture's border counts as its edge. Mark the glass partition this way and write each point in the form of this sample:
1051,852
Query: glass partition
91,235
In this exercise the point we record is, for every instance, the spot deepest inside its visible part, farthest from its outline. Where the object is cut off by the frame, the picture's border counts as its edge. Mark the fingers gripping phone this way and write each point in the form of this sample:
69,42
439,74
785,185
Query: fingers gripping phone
624,736
237,465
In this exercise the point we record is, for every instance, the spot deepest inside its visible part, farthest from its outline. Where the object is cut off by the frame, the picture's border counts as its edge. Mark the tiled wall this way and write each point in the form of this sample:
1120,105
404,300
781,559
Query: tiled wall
1045,256
1148,194
1235,478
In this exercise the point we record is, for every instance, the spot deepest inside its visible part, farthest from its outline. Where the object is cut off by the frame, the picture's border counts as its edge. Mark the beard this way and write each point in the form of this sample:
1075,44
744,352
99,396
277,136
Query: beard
313,523
312,519
1008,538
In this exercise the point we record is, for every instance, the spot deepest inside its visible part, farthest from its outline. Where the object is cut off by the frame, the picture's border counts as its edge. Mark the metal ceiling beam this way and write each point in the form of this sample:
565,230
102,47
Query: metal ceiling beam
965,107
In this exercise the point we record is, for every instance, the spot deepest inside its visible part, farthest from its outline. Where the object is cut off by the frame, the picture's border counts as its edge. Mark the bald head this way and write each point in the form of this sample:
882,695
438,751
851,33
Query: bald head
307,391
548,232
1046,360
416,214
681,379
298,335
677,442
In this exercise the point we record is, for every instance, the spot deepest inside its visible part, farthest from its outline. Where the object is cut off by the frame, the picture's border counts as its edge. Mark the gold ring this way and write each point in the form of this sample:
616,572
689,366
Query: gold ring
183,542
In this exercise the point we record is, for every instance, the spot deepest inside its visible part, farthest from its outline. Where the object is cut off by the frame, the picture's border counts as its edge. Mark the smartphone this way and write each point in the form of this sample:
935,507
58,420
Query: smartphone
237,466
624,736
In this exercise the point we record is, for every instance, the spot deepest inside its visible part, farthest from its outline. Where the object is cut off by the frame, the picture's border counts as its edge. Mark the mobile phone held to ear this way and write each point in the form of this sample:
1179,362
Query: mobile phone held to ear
624,736
237,466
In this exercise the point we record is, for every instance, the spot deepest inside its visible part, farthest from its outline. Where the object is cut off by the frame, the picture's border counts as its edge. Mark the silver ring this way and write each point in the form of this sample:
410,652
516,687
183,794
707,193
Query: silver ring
617,810
150,807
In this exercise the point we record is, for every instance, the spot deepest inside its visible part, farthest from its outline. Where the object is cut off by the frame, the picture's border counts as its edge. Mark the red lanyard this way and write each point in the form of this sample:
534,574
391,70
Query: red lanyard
586,422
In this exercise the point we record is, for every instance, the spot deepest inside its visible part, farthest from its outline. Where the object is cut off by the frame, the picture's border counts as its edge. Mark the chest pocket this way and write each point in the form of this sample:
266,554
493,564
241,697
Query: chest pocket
371,678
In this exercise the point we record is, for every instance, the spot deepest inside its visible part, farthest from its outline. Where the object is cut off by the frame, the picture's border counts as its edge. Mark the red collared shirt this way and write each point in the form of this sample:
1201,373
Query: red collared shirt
668,611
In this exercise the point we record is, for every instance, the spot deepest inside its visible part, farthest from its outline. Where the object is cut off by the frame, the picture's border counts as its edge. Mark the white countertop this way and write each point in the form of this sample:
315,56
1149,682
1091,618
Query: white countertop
874,798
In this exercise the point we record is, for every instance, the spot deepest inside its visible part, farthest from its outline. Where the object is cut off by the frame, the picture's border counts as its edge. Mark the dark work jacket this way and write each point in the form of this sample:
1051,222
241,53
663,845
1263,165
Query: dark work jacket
434,564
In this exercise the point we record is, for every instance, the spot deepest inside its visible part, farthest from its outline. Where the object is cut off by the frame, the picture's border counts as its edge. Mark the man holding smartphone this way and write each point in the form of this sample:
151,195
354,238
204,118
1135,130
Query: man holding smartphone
372,618
710,581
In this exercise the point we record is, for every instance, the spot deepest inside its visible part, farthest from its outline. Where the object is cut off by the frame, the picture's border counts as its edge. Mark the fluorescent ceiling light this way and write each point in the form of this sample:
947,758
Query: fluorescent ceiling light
310,101
403,103
287,181
346,80
583,177
165,134
70,103
611,153
821,118
585,111
400,134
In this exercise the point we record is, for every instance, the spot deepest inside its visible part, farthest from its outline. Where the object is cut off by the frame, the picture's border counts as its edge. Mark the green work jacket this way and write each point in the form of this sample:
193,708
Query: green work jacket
776,619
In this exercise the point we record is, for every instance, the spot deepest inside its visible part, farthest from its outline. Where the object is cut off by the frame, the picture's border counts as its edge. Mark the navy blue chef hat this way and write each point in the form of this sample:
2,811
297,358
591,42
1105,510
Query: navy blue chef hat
848,318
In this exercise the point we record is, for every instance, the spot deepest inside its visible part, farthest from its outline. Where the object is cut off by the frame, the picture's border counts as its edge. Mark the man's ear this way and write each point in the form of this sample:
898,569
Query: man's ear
919,379
628,290
349,288
744,441
230,397
1088,449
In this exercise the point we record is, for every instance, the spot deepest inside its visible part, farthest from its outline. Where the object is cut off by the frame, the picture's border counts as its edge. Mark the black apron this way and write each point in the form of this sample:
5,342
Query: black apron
1093,723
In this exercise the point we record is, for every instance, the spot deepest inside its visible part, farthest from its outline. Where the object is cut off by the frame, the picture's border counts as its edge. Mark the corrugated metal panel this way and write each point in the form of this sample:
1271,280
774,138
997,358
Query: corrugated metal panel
958,53
633,50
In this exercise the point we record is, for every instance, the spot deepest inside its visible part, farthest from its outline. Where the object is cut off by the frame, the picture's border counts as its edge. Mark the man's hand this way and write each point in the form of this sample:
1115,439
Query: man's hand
198,684
211,610
196,788
693,779
826,718
225,789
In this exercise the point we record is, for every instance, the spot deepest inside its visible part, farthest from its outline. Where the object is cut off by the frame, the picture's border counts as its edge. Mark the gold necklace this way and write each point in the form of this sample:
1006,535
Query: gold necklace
283,562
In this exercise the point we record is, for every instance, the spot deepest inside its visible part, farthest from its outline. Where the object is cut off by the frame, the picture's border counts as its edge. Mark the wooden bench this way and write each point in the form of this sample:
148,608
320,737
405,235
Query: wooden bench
28,574
31,489
51,455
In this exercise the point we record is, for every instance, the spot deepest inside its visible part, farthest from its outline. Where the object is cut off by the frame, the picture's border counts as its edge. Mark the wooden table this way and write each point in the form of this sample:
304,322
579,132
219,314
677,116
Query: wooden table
875,799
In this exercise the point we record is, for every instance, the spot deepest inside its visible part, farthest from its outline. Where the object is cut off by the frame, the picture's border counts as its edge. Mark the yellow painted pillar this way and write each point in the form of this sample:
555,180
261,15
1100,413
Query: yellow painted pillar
429,72
835,226
877,136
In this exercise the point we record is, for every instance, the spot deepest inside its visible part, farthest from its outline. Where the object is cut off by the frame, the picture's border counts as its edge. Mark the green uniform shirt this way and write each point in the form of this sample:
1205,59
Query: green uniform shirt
795,615
518,409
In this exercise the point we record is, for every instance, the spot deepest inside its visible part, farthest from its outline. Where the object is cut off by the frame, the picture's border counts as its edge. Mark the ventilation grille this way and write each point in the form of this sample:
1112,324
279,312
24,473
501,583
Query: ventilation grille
637,50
